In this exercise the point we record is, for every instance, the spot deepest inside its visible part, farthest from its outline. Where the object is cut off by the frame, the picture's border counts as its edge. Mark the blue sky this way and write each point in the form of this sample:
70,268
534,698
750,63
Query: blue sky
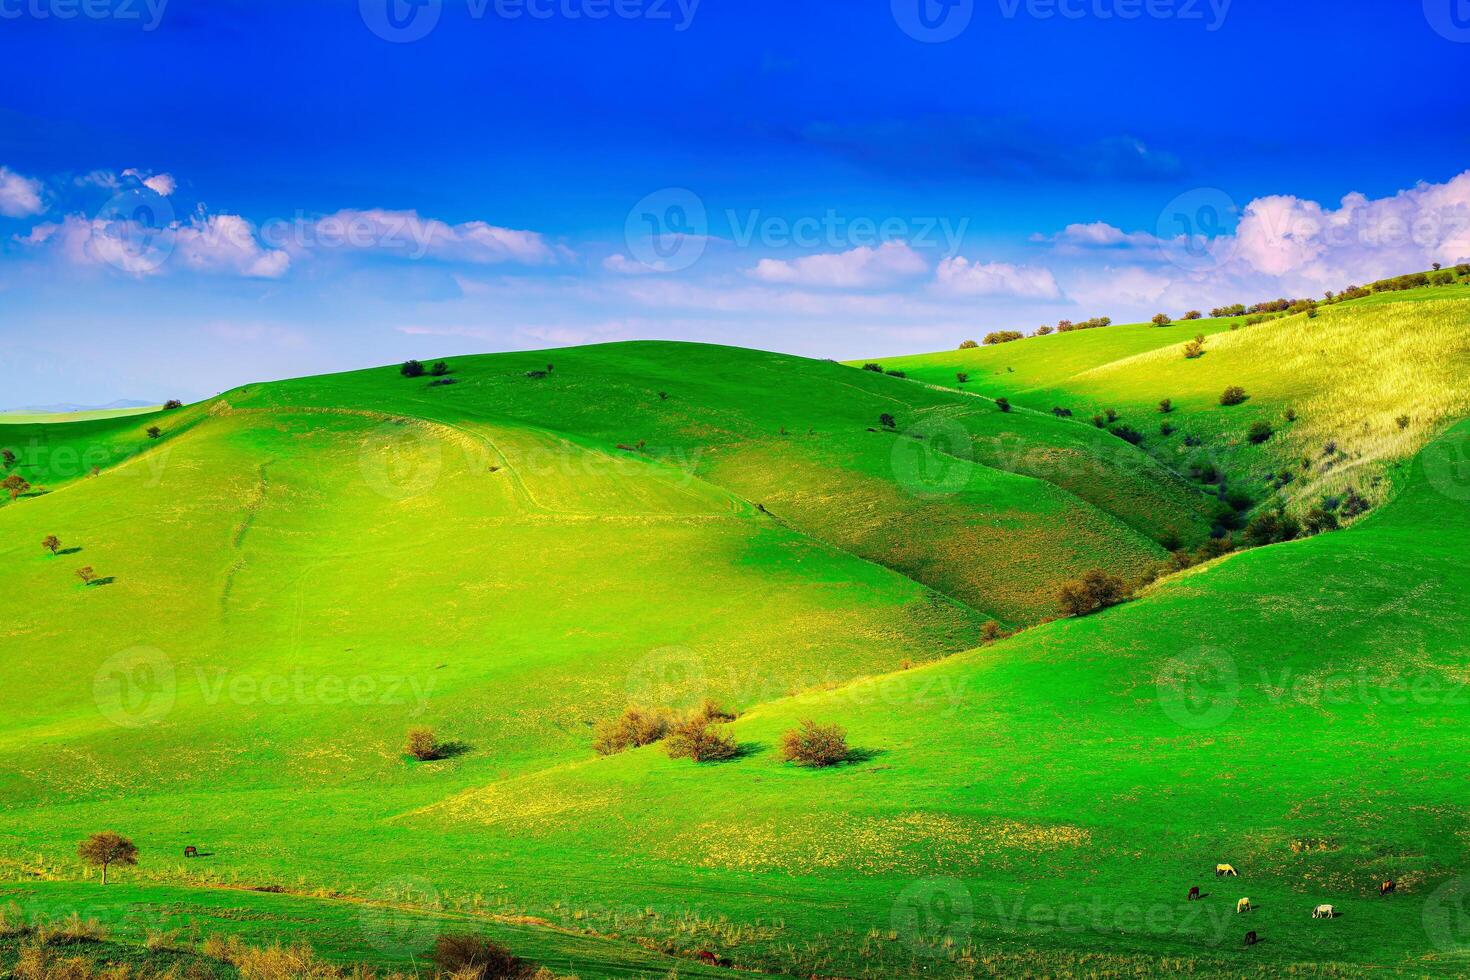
195,195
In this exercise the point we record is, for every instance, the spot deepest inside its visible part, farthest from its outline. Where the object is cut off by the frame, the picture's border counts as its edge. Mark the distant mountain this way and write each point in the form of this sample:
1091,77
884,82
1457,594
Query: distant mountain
73,407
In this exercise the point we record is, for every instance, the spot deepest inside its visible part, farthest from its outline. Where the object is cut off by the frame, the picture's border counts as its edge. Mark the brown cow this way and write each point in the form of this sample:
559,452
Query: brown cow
705,956
1194,894
1250,938
191,851
1387,888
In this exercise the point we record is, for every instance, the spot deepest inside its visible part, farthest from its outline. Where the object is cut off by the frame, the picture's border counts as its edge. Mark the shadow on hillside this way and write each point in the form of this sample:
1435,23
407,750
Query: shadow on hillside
857,756
108,580
68,551
453,750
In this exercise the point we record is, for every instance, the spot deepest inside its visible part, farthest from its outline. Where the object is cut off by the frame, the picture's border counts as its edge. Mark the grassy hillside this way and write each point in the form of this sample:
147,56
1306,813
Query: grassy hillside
294,574
1349,394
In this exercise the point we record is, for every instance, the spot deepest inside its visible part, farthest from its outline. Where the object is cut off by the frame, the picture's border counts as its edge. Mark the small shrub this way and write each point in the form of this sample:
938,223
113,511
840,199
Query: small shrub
1095,590
1402,421
411,369
1128,434
1099,421
1112,414
1259,433
172,403
968,345
634,728
87,574
896,374
1195,348
440,369
1003,404
815,745
991,631
1271,528
469,955
154,432
1318,520
1061,413
870,366
1166,406
696,739
1161,320
711,710
1290,415
1192,315
1233,395
1165,429
961,377
422,745
887,421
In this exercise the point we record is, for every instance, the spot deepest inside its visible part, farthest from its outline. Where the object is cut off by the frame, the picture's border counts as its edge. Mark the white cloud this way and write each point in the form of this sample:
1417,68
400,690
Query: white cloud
20,197
959,277
161,184
860,268
221,244
407,233
1098,235
226,243
624,266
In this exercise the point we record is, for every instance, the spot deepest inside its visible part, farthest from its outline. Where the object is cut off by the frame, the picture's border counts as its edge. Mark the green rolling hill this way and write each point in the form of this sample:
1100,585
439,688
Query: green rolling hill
292,575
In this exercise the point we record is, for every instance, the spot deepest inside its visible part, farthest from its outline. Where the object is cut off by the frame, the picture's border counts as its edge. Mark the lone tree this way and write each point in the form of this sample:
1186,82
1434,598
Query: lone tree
9,456
887,421
1095,590
51,543
439,370
106,849
1161,320
154,432
173,403
968,345
412,369
16,484
961,377
86,574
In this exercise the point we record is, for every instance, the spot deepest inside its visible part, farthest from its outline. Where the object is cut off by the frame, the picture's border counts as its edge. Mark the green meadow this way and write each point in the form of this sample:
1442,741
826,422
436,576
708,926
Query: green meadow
289,577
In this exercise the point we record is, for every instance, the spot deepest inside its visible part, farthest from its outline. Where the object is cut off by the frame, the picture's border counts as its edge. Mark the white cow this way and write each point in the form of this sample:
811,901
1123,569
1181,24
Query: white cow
1324,912
1244,905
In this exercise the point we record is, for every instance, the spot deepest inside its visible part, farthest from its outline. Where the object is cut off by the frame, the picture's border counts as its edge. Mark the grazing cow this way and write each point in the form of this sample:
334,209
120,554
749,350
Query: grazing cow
705,956
1194,894
1250,938
1324,912
1244,905
191,851
1226,869
1387,888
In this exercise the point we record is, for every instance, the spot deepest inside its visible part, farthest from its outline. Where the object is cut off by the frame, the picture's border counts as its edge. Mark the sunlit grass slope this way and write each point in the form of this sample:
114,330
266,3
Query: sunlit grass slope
1349,394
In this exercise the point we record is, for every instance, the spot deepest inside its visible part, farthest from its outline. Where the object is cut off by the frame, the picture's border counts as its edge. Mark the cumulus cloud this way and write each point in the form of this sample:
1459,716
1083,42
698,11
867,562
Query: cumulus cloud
859,268
958,276
1098,235
161,184
227,243
221,244
20,197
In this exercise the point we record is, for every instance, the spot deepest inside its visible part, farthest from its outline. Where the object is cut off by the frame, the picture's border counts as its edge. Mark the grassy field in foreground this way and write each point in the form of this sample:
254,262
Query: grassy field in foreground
293,574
